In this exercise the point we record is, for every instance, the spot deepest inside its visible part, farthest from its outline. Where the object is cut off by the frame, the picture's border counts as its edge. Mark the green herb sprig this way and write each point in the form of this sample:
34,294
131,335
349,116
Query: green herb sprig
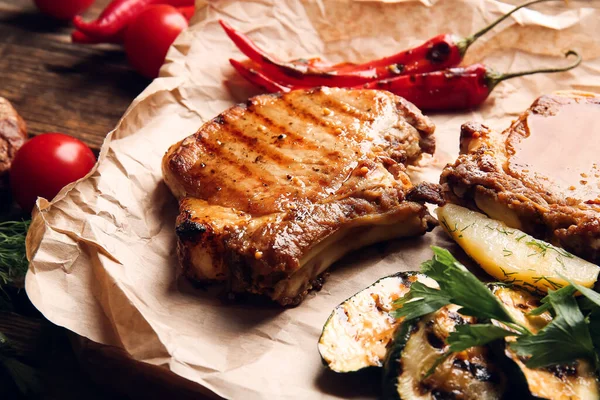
13,258
13,266
574,333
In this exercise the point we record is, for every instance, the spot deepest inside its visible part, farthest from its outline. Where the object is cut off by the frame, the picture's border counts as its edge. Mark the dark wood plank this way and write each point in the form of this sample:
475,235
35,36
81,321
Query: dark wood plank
57,85
112,368
82,91
47,349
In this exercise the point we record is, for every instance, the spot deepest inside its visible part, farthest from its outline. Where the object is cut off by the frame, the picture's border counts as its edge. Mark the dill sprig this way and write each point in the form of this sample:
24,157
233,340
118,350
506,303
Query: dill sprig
13,258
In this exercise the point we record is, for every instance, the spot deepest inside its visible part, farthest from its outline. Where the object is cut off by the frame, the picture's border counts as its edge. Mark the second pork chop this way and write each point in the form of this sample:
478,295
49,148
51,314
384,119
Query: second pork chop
541,175
274,191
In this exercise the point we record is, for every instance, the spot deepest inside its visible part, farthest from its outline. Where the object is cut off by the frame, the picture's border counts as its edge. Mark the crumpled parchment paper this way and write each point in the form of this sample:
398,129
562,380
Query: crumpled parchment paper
102,253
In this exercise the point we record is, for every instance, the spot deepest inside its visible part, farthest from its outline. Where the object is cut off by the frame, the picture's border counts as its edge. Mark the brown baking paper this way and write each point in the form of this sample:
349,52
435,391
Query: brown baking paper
102,253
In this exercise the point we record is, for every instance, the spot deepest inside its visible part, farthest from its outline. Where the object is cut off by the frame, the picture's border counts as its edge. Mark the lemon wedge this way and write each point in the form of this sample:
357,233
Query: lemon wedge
511,255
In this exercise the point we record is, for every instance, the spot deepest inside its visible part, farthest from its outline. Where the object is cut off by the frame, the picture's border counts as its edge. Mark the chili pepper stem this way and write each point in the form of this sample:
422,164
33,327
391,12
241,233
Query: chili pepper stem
463,44
493,78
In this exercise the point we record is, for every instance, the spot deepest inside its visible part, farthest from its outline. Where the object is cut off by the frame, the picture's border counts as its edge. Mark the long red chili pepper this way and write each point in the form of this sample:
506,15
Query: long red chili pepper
441,52
257,78
293,74
451,89
80,37
118,14
454,88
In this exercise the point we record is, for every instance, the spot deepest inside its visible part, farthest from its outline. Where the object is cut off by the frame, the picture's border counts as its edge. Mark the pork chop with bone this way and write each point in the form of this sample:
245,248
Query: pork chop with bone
541,175
272,192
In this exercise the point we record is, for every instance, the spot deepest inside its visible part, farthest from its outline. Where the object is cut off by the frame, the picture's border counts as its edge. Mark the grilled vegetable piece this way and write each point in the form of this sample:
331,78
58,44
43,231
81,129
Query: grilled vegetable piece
512,256
358,331
575,381
418,344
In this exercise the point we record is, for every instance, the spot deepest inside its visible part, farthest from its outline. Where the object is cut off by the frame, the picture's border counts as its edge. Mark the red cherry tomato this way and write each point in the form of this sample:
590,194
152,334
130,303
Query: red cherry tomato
63,9
45,164
149,36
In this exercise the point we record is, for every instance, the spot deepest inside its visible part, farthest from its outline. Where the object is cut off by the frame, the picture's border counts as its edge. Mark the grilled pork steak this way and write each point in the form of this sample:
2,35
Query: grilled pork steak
540,175
274,191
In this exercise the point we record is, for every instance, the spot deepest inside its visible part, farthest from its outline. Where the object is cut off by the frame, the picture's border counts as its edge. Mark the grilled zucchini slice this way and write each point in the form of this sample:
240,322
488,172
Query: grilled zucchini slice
576,381
358,331
470,374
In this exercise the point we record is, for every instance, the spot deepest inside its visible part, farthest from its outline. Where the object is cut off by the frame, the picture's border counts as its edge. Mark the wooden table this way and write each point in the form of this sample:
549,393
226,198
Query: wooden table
58,86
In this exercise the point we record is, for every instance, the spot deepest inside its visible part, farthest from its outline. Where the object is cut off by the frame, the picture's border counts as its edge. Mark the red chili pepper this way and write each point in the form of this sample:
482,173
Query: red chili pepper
441,52
451,89
187,12
294,74
454,88
117,15
82,38
257,78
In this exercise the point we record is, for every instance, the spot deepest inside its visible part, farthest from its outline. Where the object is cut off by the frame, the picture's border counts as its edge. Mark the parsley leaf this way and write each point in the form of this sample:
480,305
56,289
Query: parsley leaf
591,302
467,336
594,327
563,340
564,292
421,300
589,294
463,288
568,337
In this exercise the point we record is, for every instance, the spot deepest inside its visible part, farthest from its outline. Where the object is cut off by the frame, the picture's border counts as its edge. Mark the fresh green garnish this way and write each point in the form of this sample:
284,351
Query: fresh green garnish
561,293
563,340
590,304
457,286
13,266
414,304
542,248
569,336
467,336
13,259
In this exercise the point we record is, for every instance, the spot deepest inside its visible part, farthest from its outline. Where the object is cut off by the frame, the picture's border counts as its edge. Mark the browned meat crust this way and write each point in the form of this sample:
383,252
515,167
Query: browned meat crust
273,191
481,179
13,134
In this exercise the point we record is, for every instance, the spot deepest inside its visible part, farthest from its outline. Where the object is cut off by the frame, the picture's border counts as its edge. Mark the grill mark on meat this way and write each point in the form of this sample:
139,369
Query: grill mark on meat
210,188
345,108
302,126
268,150
254,143
334,106
227,160
306,116
280,129
337,176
